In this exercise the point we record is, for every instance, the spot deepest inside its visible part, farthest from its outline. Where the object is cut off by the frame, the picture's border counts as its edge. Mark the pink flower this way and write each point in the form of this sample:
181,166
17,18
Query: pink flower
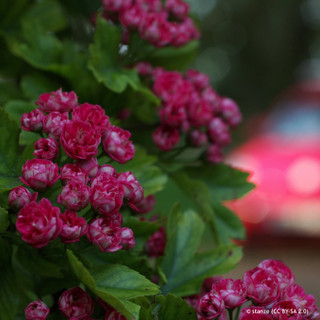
210,306
144,68
117,145
280,270
127,238
73,228
255,313
183,32
198,79
178,8
75,195
219,132
91,166
36,310
116,5
70,172
79,140
133,191
39,223
169,85
262,286
284,310
39,174
200,113
93,114
106,233
57,101
214,154
19,197
166,138
46,148
76,303
230,112
198,138
232,292
32,121
146,204
108,169
132,17
111,313
300,299
156,244
156,29
106,194
54,122
210,96
173,115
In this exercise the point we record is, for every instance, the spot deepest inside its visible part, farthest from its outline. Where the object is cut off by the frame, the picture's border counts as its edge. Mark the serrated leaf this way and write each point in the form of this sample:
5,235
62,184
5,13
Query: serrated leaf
229,225
182,245
115,284
9,153
224,182
214,262
173,308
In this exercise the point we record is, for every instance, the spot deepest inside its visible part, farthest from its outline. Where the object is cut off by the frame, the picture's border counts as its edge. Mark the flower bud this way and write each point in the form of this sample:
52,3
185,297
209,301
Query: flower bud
127,238
32,121
19,197
73,172
210,306
36,310
54,122
91,166
166,138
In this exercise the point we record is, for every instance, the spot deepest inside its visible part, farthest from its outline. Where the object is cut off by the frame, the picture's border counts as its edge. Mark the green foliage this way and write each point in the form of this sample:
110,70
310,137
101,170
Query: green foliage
9,166
4,221
115,284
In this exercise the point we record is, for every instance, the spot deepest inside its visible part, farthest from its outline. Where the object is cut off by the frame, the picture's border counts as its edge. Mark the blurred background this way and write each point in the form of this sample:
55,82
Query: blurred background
266,56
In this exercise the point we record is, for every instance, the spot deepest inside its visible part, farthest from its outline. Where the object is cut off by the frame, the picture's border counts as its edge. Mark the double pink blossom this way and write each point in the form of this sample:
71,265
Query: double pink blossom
46,148
32,121
39,174
79,140
36,310
219,132
156,244
57,101
166,138
117,144
210,306
106,194
71,172
255,313
19,197
75,195
73,228
39,223
54,122
91,166
76,303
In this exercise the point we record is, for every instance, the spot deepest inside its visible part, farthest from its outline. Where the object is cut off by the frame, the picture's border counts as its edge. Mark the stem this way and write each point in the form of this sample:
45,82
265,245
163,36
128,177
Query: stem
237,313
230,311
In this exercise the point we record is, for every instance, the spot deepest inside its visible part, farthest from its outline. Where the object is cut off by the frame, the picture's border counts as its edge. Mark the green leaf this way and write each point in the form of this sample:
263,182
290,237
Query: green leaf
48,14
16,108
228,224
8,292
173,308
31,260
4,221
141,228
142,166
214,262
224,182
175,58
182,244
115,284
9,153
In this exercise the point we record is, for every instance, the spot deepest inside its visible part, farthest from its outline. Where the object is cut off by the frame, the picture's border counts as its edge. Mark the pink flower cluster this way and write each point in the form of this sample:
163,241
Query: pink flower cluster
158,23
271,289
74,304
84,181
190,106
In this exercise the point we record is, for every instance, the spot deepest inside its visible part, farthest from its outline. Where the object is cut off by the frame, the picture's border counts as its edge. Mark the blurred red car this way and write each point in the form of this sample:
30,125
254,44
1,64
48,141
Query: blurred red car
284,161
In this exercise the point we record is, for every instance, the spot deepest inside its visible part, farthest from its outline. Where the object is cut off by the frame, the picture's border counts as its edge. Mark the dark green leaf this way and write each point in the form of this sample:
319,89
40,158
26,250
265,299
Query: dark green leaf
173,308
224,182
16,108
4,221
228,224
